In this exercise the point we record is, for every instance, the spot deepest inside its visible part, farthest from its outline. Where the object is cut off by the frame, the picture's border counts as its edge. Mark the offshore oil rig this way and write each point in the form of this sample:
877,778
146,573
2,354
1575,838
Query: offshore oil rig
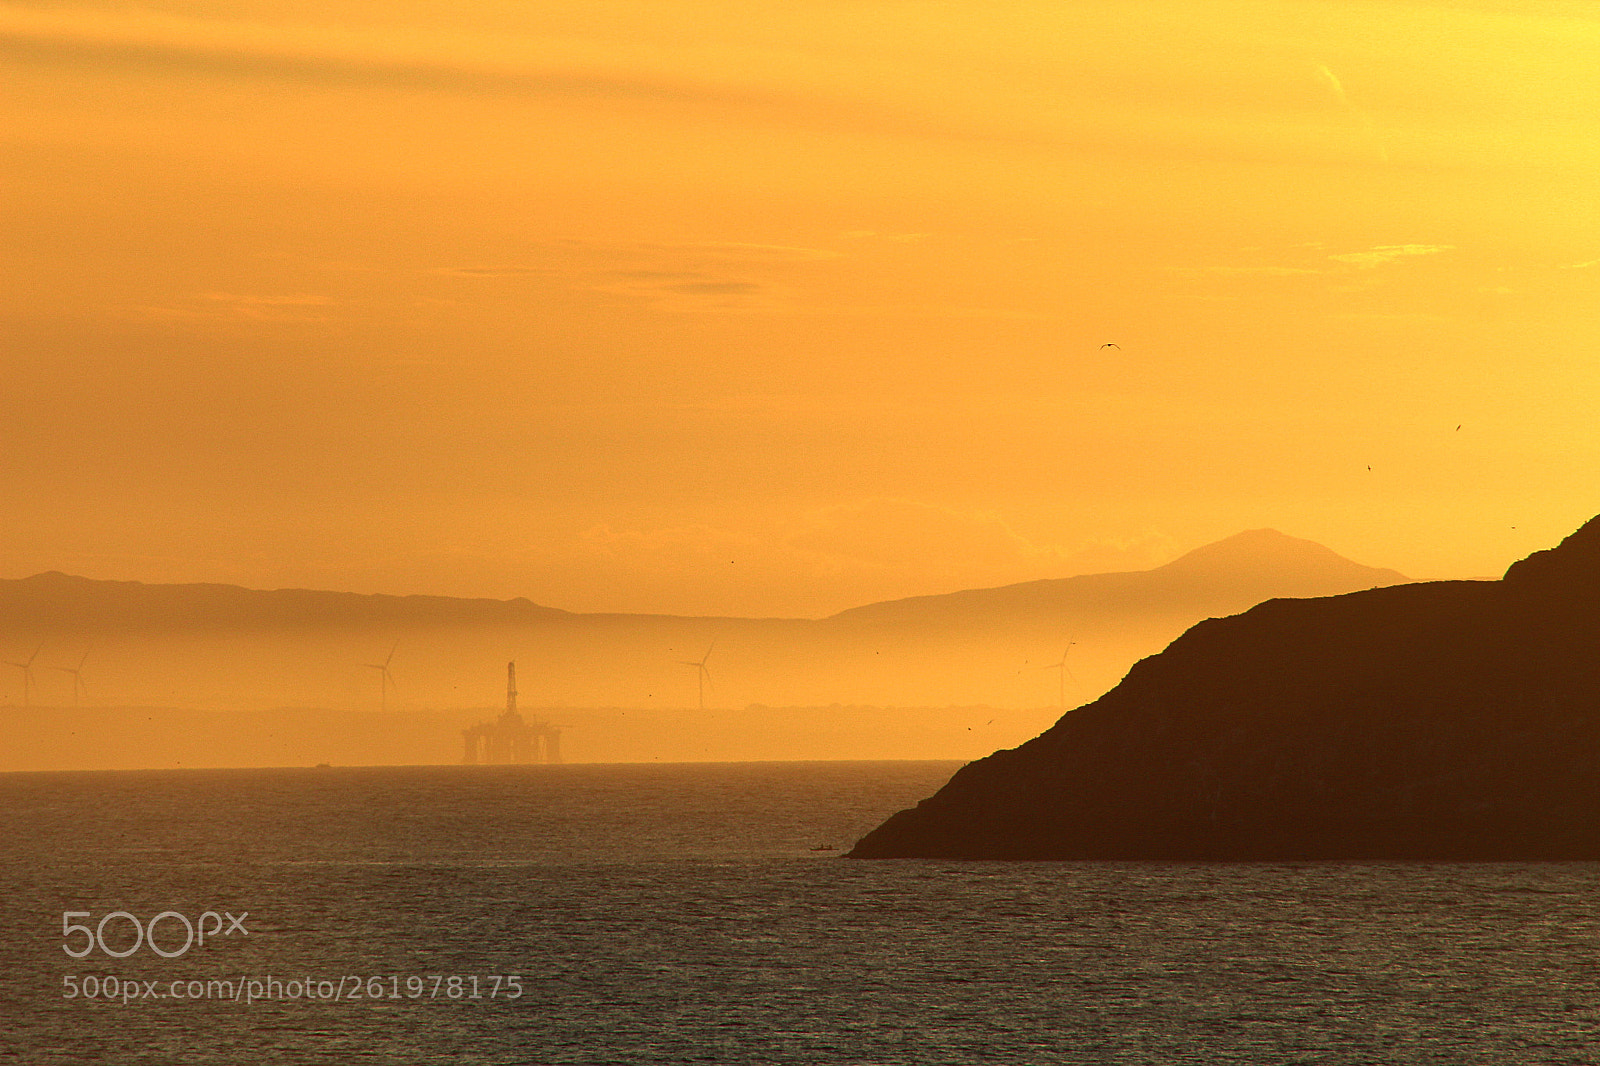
509,738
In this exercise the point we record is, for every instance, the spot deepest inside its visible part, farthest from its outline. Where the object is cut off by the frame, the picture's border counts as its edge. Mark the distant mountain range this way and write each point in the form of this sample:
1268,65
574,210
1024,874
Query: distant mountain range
1451,720
1224,577
208,645
54,602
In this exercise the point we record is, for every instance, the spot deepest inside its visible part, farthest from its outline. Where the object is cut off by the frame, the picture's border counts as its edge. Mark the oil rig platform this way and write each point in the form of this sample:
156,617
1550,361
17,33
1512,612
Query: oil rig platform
510,738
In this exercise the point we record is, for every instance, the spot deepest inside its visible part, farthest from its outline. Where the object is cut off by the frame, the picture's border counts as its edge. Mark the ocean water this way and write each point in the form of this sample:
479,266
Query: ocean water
679,914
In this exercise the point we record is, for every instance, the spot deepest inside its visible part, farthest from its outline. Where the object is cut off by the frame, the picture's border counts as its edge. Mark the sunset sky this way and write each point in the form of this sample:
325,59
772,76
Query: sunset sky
698,307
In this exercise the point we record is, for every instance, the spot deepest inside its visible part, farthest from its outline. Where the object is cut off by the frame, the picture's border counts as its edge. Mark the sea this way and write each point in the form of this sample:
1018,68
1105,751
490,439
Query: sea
704,913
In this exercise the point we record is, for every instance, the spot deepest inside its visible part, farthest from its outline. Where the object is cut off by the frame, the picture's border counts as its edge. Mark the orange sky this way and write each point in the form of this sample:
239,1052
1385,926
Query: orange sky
742,308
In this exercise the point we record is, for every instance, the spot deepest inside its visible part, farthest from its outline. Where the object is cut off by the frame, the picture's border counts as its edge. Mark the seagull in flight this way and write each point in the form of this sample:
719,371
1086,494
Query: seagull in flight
1109,344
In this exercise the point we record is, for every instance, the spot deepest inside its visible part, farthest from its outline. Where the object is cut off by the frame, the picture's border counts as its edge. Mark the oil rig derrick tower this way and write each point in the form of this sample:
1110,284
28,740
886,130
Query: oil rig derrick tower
511,738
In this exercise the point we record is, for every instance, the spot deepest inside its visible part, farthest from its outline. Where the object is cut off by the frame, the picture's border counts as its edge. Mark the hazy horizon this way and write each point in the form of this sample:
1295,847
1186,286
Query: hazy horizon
931,591
130,644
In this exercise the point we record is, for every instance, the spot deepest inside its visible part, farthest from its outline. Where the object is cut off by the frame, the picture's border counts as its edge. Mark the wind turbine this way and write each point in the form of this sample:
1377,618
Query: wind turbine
77,677
385,678
702,674
27,673
1066,671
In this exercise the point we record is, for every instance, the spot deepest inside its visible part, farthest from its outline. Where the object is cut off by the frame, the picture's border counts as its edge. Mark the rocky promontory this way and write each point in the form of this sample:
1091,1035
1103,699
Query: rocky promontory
1455,720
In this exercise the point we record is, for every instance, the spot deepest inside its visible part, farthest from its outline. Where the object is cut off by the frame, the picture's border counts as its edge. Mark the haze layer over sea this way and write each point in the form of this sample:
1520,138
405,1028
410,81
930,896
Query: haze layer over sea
680,914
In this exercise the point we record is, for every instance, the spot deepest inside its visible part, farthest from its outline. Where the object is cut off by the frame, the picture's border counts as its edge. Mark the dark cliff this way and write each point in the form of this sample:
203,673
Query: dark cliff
1438,721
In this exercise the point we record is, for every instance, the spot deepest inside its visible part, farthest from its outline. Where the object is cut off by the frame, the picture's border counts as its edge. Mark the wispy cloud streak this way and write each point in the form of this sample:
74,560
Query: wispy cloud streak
1337,86
1388,253
335,69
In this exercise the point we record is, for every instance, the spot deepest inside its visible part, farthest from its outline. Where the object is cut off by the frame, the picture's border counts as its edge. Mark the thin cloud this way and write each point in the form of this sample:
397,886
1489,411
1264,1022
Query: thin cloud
1320,266
165,46
1330,266
741,252
675,276
717,288
676,292
228,307
1388,253
496,271
681,276
674,256
900,238
1128,116
1371,127
244,55
1248,271
1333,82
246,300
885,533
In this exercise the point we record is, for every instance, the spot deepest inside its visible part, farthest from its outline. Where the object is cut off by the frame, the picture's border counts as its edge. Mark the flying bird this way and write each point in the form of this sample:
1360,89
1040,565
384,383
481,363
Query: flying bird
1109,344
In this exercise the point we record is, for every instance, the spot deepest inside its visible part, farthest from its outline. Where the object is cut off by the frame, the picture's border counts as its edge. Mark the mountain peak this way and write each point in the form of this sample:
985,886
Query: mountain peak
1267,551
56,577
